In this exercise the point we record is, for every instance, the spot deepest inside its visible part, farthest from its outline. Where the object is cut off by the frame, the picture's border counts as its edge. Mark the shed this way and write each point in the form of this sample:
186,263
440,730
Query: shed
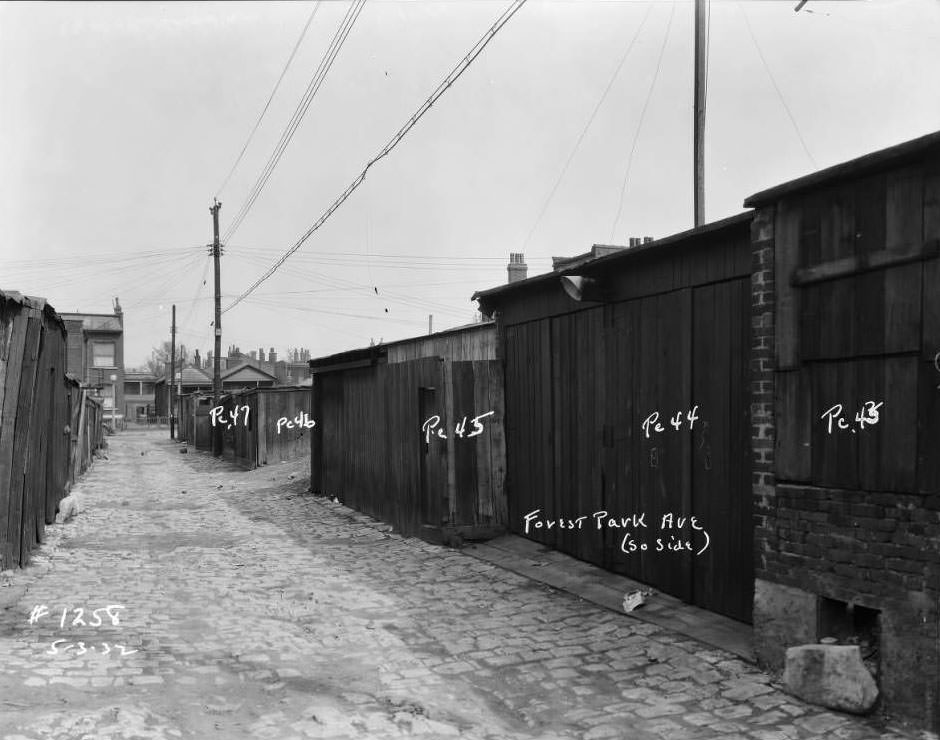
848,382
627,400
35,423
395,434
256,438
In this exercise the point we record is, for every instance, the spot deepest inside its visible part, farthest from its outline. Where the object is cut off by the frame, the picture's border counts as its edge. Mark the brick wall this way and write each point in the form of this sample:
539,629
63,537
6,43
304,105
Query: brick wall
863,546
762,376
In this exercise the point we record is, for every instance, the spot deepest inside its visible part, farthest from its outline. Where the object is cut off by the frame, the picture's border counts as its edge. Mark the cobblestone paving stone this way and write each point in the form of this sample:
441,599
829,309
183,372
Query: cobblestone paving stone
259,611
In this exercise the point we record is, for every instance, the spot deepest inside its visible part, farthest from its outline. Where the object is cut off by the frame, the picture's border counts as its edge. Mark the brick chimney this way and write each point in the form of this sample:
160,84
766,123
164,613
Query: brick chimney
517,267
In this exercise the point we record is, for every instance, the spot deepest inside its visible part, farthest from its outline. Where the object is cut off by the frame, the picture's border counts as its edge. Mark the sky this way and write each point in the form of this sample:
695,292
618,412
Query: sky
119,123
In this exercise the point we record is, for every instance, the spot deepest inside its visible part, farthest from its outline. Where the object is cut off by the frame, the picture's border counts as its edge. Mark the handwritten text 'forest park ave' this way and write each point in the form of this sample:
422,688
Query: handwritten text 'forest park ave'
460,430
603,520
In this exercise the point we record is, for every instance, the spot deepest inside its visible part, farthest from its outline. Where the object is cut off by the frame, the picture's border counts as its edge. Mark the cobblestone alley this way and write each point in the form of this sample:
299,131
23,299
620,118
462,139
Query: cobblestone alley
201,601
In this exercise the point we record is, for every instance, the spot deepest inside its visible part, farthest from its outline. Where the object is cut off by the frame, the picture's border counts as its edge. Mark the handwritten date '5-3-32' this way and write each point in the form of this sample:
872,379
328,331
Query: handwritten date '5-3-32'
460,430
80,649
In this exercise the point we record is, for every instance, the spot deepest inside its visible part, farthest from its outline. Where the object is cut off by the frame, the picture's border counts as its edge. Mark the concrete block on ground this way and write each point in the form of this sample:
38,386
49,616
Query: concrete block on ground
831,676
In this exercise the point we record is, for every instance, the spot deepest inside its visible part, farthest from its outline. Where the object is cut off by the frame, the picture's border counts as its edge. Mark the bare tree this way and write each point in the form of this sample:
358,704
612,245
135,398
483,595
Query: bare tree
159,362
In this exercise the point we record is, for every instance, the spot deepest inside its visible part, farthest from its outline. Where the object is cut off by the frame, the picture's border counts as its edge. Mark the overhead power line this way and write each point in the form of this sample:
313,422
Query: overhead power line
773,82
587,126
449,80
639,126
270,98
326,63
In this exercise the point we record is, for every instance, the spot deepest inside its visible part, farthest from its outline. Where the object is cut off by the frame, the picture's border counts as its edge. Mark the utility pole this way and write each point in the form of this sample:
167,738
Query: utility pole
216,360
172,383
698,144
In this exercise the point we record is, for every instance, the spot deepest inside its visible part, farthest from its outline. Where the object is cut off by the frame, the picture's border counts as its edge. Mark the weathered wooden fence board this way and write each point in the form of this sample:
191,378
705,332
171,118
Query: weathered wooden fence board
369,449
37,406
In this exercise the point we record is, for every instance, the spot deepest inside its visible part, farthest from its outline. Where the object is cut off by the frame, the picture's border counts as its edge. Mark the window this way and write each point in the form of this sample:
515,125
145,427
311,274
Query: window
103,354
131,388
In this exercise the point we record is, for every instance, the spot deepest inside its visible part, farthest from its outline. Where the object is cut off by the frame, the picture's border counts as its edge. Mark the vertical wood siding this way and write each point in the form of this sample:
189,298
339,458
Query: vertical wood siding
42,414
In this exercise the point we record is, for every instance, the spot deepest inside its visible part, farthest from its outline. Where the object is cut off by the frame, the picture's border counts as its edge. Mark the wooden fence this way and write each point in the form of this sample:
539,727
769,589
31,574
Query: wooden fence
39,407
256,439
670,338
259,441
86,422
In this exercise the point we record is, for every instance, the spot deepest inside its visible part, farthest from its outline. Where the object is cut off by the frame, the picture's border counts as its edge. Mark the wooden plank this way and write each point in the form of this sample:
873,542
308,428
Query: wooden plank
862,263
794,423
723,574
786,261
560,421
23,435
904,209
587,433
622,495
928,428
18,321
902,317
931,276
870,206
835,453
465,450
665,472
898,424
39,452
498,444
871,387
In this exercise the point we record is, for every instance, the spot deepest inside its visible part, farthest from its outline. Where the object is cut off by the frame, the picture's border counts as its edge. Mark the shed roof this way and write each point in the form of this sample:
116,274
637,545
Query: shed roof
247,370
900,154
375,353
618,259
190,376
40,304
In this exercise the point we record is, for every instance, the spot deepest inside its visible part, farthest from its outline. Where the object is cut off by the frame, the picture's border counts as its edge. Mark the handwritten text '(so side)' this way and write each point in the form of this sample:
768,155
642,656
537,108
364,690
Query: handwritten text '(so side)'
603,520
868,414
216,416
460,430
301,421
651,422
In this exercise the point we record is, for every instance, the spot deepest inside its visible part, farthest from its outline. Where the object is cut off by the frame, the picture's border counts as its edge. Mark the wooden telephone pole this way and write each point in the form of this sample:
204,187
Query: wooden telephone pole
172,383
217,324
698,144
